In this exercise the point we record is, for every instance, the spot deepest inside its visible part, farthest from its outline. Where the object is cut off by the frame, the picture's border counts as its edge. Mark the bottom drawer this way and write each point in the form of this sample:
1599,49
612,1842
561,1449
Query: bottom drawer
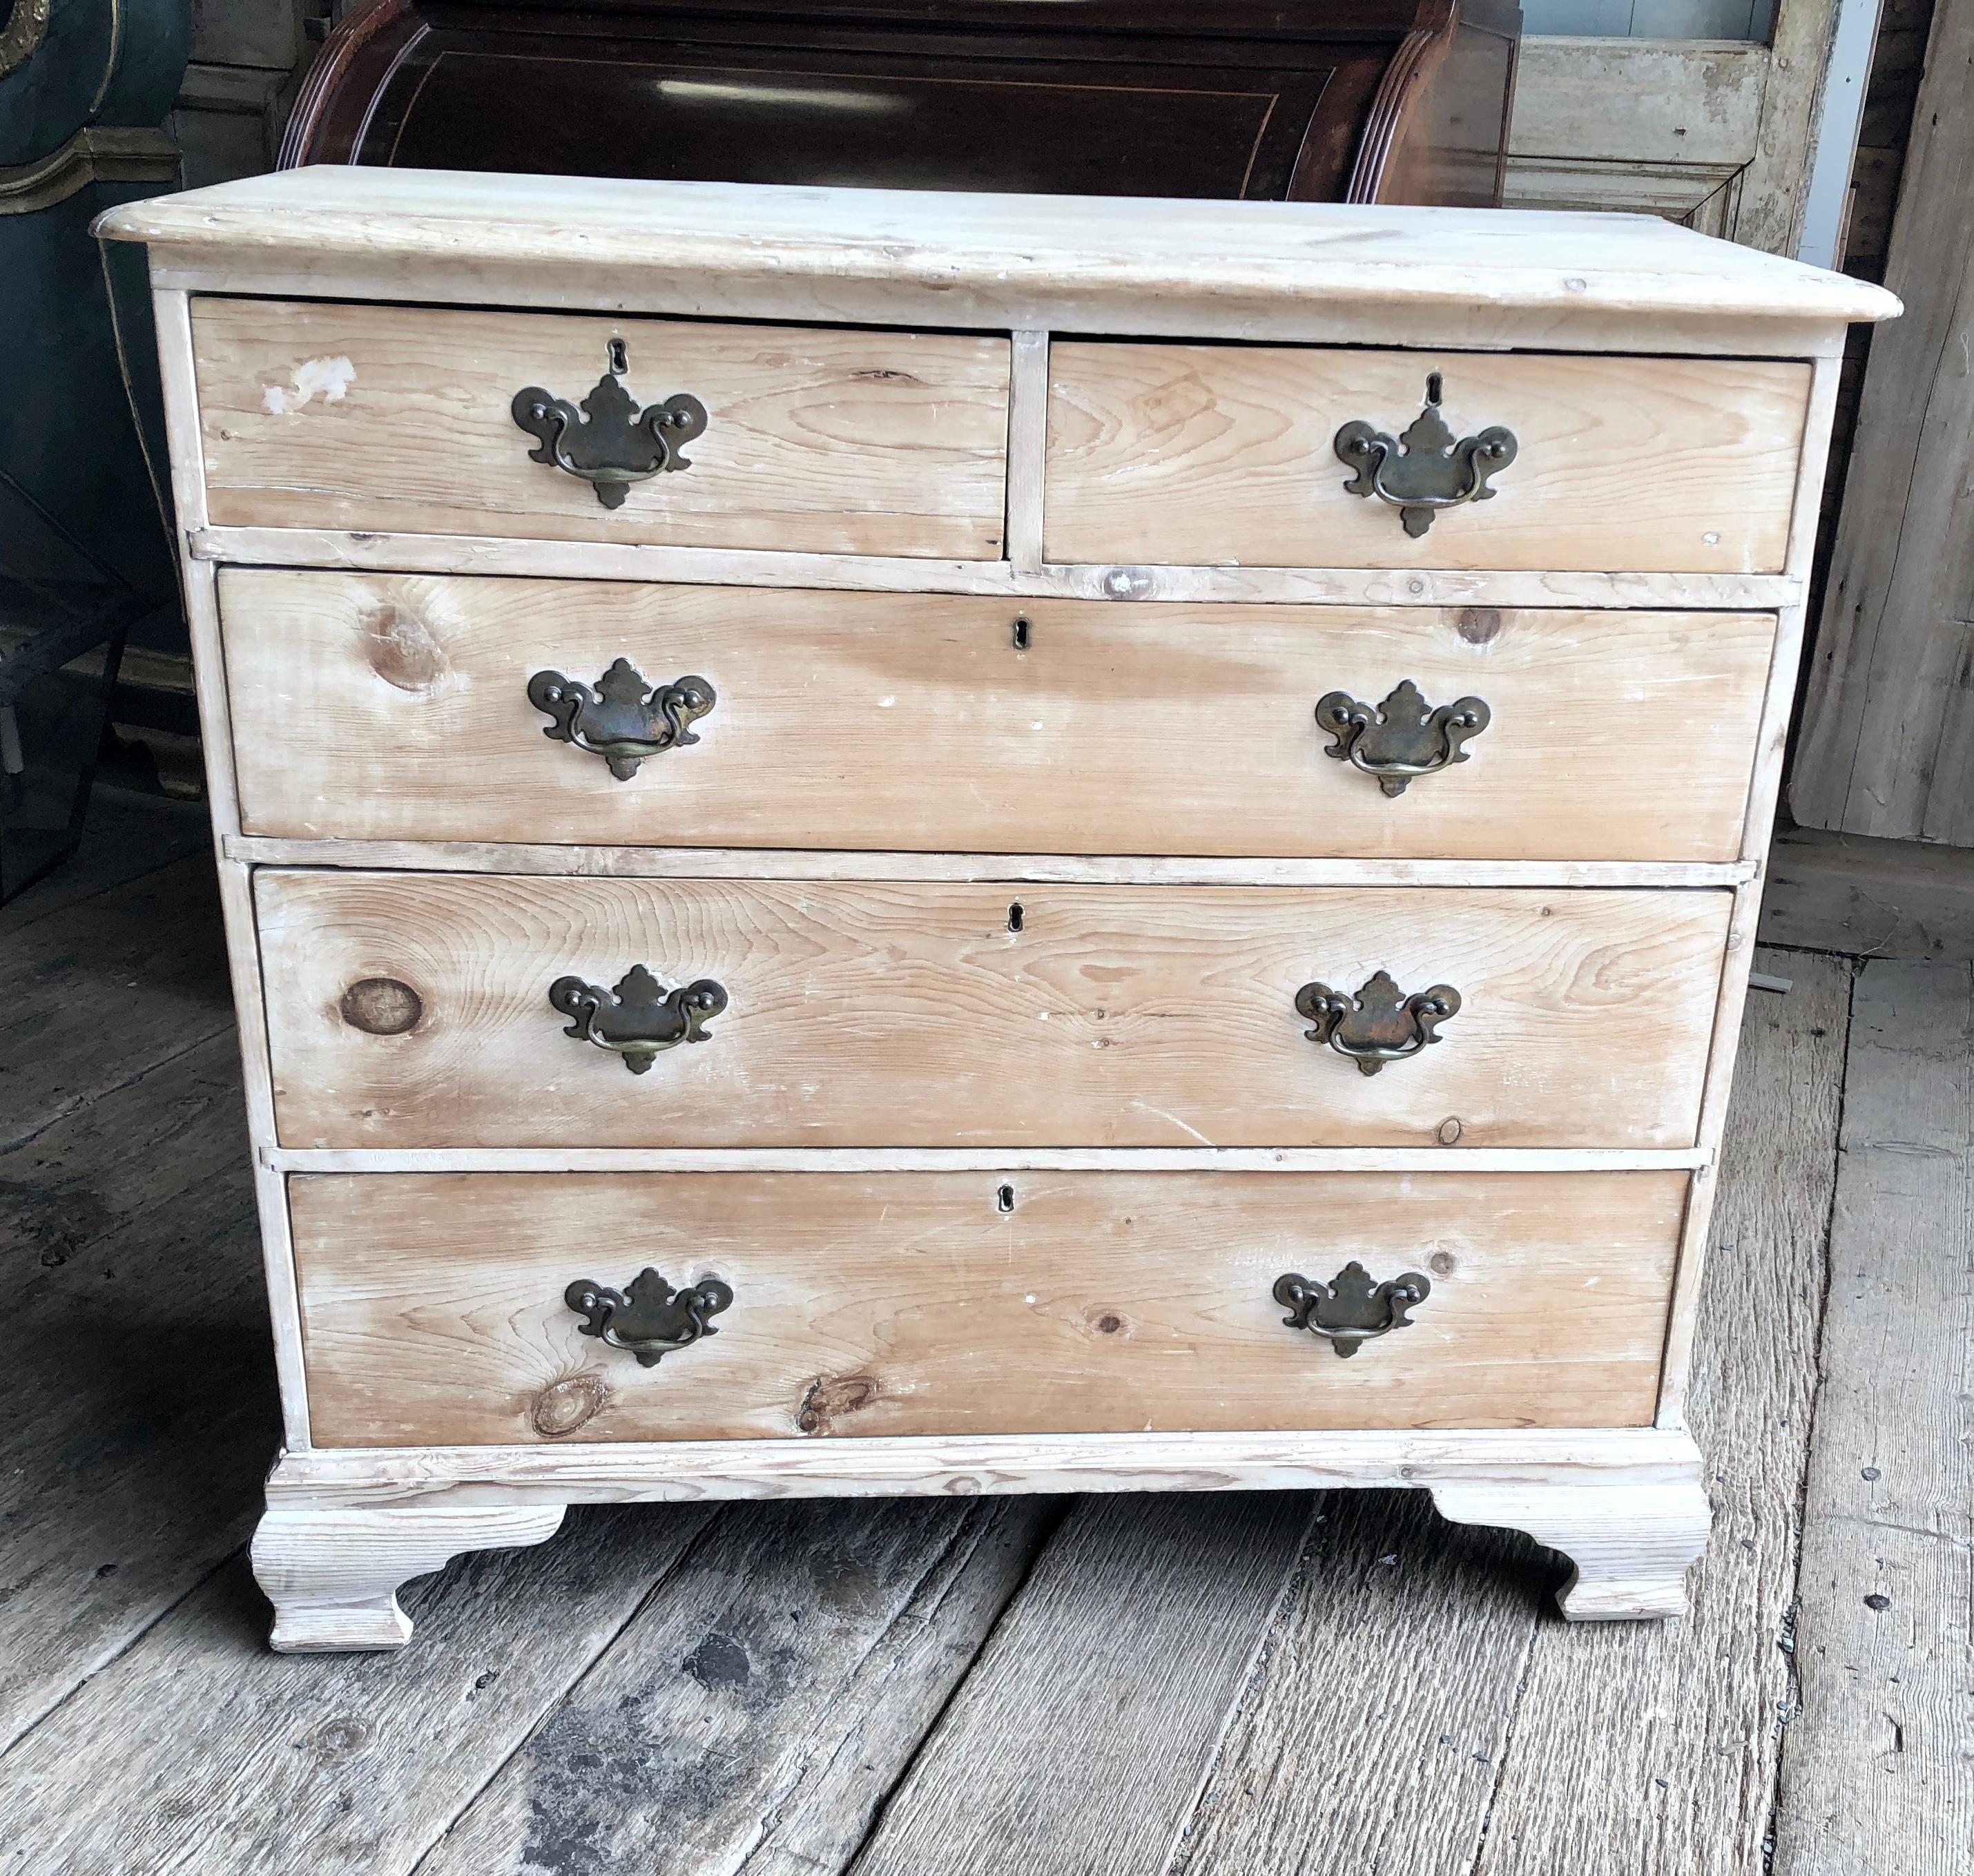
435,1307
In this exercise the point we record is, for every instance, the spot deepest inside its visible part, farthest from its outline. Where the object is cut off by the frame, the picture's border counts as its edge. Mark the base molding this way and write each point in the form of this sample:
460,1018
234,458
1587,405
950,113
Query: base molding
344,1528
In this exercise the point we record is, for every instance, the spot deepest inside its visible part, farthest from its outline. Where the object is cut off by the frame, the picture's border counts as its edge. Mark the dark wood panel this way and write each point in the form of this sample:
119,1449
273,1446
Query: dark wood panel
1378,100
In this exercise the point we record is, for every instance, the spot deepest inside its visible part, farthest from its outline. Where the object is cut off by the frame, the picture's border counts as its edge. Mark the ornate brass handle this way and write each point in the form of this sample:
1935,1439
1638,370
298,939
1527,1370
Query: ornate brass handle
1379,1024
1403,738
1424,470
639,1019
610,443
625,718
650,1319
1353,1309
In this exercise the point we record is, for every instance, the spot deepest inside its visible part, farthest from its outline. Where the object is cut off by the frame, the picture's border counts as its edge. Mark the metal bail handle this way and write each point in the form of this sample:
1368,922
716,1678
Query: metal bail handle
1425,469
1380,1024
650,1318
625,718
609,443
1402,738
1351,1310
640,1018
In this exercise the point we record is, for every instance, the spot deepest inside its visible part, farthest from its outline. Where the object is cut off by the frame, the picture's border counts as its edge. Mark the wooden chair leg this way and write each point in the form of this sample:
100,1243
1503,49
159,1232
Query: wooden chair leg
1631,1543
332,1571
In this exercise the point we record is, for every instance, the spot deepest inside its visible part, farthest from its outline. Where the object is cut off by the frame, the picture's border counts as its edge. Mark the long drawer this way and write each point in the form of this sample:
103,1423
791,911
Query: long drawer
908,722
403,419
438,1309
411,1010
1218,454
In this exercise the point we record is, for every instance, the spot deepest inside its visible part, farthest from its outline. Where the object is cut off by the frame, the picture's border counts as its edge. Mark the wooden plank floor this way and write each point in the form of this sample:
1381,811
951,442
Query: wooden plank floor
1339,1685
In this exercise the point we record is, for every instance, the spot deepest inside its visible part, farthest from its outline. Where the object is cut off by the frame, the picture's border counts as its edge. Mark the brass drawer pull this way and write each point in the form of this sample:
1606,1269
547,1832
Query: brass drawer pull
639,1019
609,443
625,718
1402,738
650,1319
1424,470
1379,1024
1353,1309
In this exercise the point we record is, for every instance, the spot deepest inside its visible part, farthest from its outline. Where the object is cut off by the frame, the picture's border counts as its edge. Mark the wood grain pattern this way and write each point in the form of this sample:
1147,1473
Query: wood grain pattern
333,1572
1886,727
1070,263
1877,1775
1303,1777
889,721
762,1708
907,1015
1012,869
239,1760
911,1303
495,554
689,1471
1654,1752
391,417
1079,1741
1199,454
134,1338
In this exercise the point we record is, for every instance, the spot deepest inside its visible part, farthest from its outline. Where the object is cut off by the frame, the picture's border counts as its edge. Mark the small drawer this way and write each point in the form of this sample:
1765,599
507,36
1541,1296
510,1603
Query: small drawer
405,419
408,1010
1216,454
909,722
453,1310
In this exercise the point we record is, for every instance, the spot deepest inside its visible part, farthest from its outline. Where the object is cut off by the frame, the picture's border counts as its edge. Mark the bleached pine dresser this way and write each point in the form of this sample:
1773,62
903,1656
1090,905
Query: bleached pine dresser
886,843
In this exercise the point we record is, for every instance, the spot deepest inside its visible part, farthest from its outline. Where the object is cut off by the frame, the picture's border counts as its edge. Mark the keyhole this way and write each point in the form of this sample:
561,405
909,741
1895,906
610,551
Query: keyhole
1433,386
1015,916
1004,1199
1021,634
620,359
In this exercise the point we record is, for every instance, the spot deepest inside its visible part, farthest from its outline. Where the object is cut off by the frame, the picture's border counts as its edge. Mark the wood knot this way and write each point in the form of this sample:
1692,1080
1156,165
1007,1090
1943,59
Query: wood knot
830,1398
1479,624
1449,1130
1105,1322
336,1741
398,646
382,1006
563,1406
1442,1262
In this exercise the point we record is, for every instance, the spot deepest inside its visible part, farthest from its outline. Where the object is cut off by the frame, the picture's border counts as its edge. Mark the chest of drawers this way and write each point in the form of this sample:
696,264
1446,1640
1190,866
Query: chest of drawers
879,844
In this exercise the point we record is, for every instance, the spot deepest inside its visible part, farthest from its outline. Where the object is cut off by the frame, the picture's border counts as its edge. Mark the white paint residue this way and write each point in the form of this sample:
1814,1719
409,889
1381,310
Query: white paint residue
886,703
328,378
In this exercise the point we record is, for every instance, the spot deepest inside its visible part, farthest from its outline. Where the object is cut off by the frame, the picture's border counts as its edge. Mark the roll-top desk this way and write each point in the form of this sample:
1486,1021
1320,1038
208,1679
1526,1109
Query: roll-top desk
878,843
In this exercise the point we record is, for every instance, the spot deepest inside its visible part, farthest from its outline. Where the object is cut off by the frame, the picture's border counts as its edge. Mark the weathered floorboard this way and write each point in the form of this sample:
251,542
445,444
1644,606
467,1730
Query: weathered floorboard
1869,898
751,1720
93,994
232,1761
1878,1769
127,835
1368,1741
1649,1750
1079,1741
137,1406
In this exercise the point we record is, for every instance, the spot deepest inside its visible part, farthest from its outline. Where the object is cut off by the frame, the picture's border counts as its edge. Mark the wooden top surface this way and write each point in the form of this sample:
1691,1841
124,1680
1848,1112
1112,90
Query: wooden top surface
1200,252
